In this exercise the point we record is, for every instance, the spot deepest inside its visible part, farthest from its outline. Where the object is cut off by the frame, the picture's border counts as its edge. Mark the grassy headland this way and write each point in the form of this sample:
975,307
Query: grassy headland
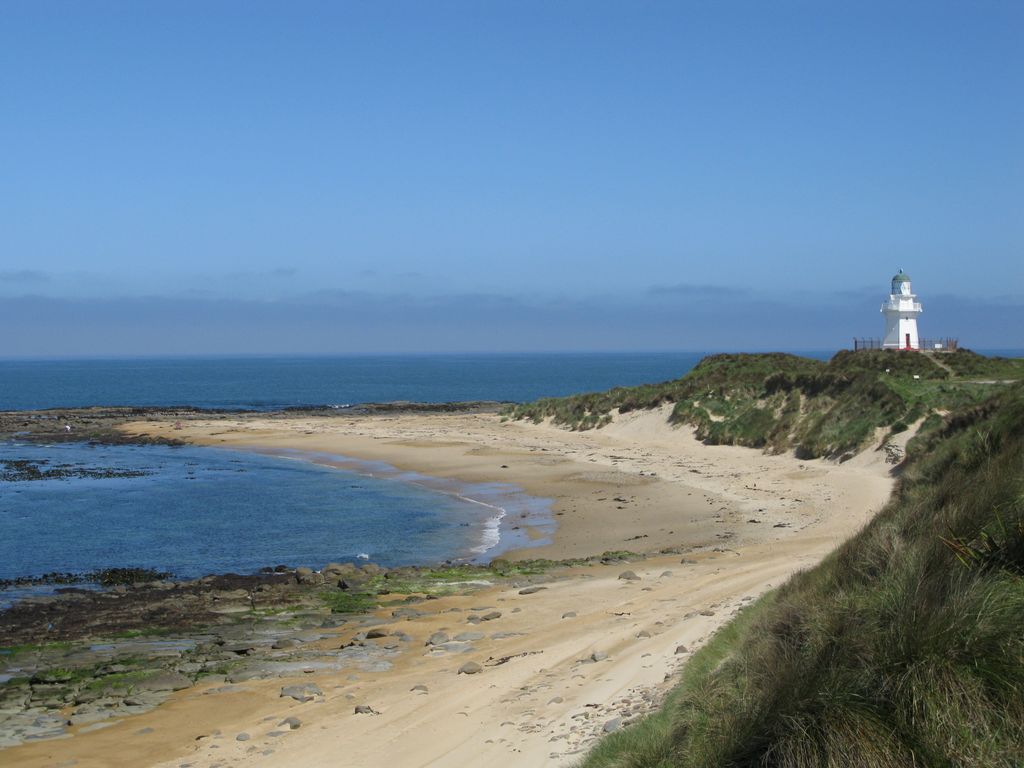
904,647
780,402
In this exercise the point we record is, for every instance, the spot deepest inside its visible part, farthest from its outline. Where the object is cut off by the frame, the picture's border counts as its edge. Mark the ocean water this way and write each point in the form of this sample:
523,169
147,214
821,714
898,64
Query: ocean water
279,382
193,511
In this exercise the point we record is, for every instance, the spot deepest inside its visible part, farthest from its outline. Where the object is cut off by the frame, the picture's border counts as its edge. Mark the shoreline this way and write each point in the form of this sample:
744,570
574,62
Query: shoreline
585,649
533,509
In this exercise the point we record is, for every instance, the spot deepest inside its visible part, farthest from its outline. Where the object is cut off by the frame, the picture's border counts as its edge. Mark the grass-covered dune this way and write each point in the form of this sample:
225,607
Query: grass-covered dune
780,402
905,647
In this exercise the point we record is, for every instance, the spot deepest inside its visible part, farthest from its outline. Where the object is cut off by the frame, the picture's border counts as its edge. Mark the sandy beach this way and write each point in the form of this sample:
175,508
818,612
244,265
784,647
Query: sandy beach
560,665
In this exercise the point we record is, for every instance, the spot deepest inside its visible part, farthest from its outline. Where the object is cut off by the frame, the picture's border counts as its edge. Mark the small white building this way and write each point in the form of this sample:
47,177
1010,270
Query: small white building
901,311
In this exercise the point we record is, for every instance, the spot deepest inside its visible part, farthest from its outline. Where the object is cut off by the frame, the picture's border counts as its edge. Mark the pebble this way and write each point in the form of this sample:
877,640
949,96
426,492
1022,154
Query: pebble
569,615
629,576
530,590
243,736
291,722
470,668
681,649
613,725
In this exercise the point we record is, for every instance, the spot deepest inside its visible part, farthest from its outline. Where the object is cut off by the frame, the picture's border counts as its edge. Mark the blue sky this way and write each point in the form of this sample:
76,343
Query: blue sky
247,177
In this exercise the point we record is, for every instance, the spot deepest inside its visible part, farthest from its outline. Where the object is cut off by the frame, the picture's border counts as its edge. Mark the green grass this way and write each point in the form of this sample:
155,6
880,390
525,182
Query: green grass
11,651
349,602
780,402
905,647
968,365
126,680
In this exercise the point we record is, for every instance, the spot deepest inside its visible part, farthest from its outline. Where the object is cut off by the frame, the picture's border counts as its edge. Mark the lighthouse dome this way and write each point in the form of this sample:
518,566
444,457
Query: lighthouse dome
900,277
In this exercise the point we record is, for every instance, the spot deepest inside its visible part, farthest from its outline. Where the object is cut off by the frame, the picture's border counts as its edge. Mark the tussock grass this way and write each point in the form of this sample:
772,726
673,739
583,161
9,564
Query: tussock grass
905,647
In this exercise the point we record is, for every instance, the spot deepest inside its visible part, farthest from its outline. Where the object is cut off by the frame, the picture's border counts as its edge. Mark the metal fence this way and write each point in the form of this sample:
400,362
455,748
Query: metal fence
947,344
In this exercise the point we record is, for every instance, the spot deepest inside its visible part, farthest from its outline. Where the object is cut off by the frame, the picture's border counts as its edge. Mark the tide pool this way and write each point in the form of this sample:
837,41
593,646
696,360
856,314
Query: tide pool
193,511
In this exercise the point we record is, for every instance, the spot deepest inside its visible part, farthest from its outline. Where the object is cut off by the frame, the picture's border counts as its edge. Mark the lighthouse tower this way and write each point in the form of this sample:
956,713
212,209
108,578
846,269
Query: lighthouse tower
901,311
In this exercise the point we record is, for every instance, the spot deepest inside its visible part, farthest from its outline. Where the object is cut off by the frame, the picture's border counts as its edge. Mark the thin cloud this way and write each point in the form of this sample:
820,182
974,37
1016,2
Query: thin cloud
694,290
25,276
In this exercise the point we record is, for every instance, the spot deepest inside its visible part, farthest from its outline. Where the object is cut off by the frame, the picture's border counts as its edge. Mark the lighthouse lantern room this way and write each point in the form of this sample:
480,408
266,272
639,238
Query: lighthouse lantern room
901,311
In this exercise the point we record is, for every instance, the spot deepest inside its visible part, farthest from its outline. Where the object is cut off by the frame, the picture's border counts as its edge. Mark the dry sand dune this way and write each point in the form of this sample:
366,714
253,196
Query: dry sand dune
749,521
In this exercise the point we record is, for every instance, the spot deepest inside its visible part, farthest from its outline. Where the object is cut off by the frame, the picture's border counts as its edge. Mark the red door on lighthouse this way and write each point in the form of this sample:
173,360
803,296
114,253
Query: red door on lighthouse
908,341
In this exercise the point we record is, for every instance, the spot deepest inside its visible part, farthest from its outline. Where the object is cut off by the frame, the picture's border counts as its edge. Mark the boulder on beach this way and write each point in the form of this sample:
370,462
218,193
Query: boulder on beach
305,575
164,681
339,570
470,668
301,693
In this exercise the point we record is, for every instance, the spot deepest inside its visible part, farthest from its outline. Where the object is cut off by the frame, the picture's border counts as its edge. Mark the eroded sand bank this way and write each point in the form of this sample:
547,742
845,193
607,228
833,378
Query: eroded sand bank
750,520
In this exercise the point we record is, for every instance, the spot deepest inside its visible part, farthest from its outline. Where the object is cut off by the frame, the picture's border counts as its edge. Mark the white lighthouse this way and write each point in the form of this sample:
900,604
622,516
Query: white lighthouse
901,311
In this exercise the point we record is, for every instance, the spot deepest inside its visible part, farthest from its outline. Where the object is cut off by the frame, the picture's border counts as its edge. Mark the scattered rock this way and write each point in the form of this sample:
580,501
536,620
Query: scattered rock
164,681
643,633
470,668
469,637
629,576
301,693
438,638
569,615
530,590
292,723
243,736
491,616
365,709
613,725
420,688
666,574
680,649
598,656
375,633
